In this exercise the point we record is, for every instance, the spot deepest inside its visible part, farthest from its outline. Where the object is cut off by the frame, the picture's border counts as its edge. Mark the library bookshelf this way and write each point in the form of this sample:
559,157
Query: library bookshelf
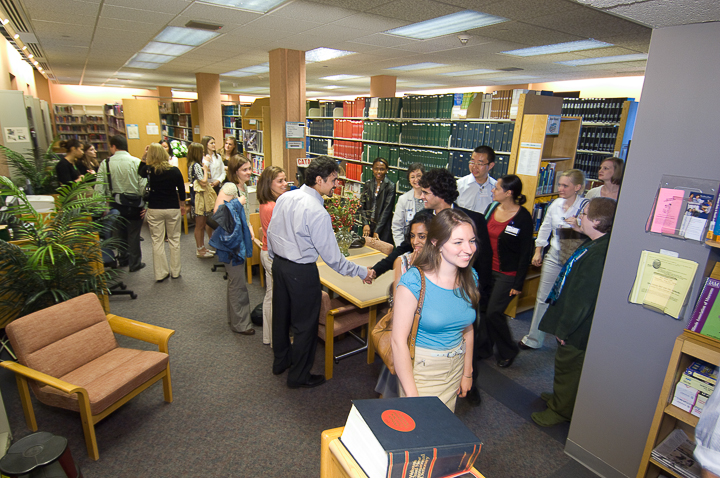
256,135
177,119
232,121
85,123
688,347
115,119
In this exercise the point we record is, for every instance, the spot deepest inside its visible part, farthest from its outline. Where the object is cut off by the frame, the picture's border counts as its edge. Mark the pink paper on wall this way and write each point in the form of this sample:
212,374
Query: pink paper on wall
667,211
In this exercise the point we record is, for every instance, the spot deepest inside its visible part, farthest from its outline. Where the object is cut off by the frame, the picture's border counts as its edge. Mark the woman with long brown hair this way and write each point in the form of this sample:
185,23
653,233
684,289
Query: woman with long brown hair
197,171
166,207
270,186
443,362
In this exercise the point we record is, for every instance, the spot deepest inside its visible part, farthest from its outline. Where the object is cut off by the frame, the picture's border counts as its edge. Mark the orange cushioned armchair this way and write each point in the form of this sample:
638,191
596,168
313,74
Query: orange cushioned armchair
69,356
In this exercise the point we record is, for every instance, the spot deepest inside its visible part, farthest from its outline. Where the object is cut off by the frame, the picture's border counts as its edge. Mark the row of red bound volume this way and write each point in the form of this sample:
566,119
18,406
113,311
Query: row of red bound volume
354,109
345,128
353,171
348,149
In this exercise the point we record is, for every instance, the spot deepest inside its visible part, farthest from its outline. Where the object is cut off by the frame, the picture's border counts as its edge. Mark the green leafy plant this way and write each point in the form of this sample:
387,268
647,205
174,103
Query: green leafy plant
39,172
56,256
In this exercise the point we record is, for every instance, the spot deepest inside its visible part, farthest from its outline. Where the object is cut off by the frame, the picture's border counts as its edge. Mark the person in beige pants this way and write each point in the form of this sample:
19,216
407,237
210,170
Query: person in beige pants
166,206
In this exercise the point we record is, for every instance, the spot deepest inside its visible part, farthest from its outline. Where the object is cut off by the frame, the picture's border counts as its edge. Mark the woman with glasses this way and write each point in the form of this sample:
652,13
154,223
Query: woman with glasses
556,224
377,202
572,306
408,204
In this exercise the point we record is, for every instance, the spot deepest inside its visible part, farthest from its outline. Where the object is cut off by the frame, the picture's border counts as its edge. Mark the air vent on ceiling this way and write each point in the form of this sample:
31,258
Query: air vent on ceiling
14,15
511,68
44,65
35,49
200,25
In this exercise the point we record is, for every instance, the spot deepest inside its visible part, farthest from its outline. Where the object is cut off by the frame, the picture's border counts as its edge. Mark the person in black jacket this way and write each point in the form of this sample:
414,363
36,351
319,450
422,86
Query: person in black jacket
439,191
510,228
377,203
67,168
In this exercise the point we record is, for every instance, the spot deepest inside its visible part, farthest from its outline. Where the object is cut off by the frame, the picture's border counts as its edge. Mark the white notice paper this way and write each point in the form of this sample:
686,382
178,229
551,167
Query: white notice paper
17,135
133,132
529,159
152,128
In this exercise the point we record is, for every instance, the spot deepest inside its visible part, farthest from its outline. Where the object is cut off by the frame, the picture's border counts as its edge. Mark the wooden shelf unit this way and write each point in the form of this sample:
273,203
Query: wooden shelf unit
87,123
257,117
688,347
232,120
177,120
142,113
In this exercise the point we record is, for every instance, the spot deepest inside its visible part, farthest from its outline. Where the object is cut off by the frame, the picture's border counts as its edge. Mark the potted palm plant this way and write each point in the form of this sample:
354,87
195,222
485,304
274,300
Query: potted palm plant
53,256
39,174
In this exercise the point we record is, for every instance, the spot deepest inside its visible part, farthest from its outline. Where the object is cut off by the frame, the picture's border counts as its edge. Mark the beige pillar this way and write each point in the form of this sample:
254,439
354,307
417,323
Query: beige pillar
287,103
165,94
42,87
383,86
209,110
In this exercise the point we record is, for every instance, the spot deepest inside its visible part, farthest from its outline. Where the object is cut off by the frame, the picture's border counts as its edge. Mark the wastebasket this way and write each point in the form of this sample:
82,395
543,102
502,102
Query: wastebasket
41,454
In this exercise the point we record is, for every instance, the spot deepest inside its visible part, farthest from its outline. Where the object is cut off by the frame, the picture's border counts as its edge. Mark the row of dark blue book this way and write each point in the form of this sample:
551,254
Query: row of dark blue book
468,135
607,110
598,138
320,127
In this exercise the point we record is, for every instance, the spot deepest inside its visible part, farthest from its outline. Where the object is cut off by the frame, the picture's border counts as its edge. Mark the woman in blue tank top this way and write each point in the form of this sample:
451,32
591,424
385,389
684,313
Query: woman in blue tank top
443,364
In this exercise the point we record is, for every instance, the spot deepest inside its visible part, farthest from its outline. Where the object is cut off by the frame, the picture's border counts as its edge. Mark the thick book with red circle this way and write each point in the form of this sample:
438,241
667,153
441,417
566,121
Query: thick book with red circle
409,437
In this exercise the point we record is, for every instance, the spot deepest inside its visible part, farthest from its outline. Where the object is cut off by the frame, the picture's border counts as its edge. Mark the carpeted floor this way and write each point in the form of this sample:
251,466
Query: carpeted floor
231,417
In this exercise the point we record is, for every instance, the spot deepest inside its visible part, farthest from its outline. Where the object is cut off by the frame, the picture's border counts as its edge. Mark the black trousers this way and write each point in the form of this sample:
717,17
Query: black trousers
128,232
296,307
494,330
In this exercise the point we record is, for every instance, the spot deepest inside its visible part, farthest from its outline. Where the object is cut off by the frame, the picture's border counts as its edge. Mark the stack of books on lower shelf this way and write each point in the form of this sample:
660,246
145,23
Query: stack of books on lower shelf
695,387
676,453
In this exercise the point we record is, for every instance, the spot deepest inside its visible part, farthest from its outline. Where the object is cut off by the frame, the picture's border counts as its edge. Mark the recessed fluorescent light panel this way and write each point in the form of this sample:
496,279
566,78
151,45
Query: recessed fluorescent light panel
559,48
185,36
331,87
248,70
147,65
470,72
605,59
260,6
453,23
340,77
417,66
153,58
160,48
324,54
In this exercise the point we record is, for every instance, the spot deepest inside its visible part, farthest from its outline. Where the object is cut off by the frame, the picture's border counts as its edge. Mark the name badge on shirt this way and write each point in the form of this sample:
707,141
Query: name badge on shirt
410,215
513,231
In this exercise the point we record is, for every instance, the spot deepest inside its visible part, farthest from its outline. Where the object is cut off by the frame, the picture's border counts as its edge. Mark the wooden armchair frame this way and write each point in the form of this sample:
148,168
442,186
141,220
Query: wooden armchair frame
120,325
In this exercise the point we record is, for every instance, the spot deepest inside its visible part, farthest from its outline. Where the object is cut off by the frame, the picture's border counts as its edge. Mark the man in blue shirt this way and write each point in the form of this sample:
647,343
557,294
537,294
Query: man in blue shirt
299,231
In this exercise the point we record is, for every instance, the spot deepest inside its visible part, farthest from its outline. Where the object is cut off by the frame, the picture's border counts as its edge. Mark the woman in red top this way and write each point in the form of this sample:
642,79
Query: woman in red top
270,186
510,227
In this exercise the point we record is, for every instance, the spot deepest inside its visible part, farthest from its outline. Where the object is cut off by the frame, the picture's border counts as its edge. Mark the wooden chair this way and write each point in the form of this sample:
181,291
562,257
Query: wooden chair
255,259
339,316
69,357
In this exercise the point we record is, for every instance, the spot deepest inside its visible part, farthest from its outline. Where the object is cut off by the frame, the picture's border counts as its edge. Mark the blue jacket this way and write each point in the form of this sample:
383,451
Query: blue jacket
232,247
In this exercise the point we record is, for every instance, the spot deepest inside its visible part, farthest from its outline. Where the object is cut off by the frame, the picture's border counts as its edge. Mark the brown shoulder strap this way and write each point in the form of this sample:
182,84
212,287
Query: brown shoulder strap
416,319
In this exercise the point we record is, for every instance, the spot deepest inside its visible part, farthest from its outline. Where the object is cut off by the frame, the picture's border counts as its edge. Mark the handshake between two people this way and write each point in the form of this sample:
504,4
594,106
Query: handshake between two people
371,275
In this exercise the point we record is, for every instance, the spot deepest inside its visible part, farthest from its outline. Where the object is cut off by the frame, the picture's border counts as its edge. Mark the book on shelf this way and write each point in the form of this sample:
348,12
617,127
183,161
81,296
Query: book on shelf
408,437
253,140
703,371
606,110
707,310
676,453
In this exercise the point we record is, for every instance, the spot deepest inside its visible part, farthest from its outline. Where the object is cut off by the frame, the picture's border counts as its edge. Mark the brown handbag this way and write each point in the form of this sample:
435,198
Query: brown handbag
381,334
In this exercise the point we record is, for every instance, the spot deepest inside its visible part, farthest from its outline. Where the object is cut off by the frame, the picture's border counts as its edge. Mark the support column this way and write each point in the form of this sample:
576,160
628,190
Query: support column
42,87
165,94
383,86
209,110
287,103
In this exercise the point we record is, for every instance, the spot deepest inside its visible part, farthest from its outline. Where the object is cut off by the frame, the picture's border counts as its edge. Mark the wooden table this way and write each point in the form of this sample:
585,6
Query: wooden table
356,292
337,462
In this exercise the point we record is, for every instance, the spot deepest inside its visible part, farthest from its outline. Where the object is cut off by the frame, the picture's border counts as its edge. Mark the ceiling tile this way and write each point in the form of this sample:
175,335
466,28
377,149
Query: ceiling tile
415,10
381,39
313,12
172,7
524,33
204,12
134,14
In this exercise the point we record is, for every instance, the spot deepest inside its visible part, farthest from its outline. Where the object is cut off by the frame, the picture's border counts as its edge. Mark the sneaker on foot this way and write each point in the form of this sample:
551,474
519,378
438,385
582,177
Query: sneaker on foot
547,418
